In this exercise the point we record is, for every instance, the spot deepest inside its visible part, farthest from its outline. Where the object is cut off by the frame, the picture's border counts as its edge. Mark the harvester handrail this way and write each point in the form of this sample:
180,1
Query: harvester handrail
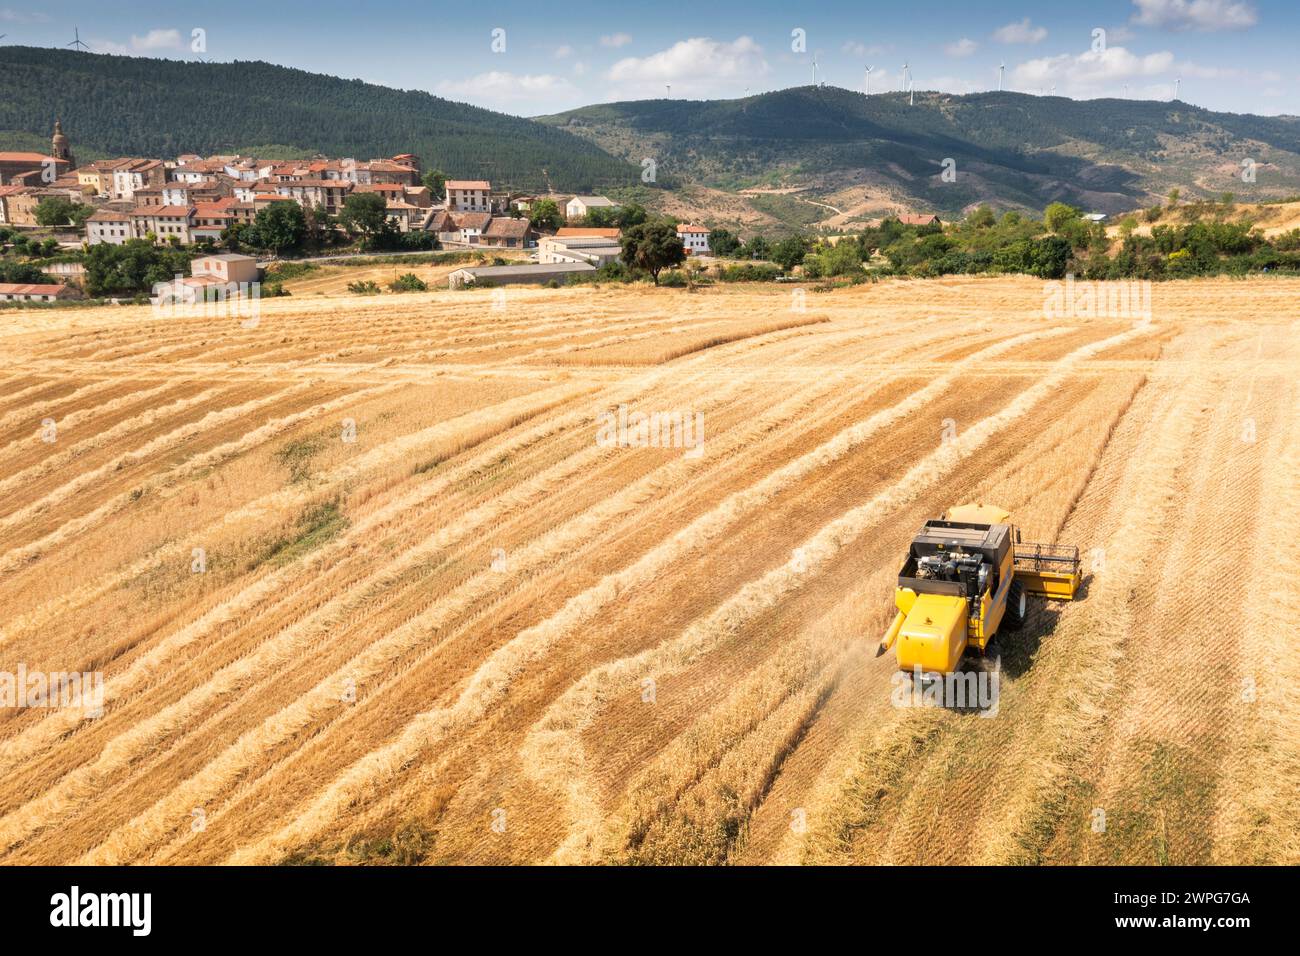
1036,555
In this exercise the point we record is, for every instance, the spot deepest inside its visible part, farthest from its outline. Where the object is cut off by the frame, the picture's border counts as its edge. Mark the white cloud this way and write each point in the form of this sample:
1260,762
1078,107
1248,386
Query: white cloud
157,40
1093,73
616,40
498,88
962,47
1021,32
9,15
1204,15
695,66
854,48
562,51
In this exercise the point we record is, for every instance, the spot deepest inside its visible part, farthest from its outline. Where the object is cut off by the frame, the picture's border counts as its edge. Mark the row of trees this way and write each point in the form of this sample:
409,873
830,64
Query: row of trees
285,227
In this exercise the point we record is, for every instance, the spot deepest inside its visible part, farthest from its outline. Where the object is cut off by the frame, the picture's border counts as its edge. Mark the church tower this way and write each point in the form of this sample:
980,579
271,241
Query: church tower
59,147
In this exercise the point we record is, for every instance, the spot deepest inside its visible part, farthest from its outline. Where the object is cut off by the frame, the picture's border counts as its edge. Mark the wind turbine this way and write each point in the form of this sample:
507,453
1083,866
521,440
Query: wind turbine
911,89
814,69
1002,68
669,87
869,69
76,43
1177,83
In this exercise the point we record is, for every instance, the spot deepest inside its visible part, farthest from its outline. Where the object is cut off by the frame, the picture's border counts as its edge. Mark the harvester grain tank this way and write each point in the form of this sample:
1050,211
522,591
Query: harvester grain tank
967,576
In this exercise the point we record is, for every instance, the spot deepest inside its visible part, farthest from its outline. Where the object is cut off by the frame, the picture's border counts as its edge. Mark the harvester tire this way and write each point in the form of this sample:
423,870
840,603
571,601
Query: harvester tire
1016,606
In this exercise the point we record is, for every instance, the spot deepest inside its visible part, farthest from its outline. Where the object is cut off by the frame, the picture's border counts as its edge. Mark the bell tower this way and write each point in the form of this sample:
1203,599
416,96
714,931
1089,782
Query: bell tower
59,146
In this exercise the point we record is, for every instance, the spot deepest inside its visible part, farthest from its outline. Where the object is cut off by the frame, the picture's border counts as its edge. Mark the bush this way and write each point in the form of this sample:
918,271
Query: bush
408,282
363,288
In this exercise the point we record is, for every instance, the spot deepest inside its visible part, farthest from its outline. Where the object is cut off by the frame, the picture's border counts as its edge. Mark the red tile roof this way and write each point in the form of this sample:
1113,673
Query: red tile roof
501,227
684,227
166,212
21,288
468,184
603,232
19,157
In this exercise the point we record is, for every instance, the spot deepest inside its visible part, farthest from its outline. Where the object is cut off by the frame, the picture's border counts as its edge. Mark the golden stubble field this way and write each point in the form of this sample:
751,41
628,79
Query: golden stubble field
364,587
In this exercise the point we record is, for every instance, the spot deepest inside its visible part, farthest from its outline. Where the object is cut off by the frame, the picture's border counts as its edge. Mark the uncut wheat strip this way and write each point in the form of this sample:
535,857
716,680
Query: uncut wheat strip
491,680
100,439
561,727
562,541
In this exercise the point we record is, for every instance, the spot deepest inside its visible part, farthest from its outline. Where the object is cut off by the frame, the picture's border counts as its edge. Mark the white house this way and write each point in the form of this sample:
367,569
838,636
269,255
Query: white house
694,238
107,225
579,206
469,195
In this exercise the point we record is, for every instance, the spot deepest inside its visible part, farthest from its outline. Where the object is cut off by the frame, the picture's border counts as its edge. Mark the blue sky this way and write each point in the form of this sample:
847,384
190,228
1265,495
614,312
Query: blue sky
1234,55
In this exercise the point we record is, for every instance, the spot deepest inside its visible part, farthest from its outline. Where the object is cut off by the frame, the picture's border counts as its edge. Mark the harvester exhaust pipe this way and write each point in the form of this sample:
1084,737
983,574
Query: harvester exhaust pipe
891,635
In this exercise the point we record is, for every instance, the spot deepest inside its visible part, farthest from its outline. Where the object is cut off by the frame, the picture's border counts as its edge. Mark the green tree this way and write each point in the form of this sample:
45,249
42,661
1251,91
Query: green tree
62,211
545,214
281,226
1058,216
723,243
791,251
601,217
436,181
365,214
653,247
758,248
981,218
1173,196
633,214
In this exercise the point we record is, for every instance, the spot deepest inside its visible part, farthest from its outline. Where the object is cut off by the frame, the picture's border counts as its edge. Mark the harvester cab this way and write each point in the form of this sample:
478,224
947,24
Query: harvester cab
965,577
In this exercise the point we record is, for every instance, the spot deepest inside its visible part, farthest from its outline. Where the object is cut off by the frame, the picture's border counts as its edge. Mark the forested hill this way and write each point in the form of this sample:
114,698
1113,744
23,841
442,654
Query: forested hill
1018,149
117,105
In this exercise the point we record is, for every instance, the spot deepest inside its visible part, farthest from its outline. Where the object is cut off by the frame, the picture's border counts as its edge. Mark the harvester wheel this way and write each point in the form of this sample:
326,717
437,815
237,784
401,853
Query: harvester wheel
1016,605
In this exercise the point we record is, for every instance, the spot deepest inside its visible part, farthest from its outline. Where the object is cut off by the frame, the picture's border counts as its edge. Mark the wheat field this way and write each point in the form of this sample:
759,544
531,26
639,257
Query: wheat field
365,586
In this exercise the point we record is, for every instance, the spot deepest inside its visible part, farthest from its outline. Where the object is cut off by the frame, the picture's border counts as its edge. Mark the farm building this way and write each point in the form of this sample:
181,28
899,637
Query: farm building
516,275
26,292
226,268
593,249
579,206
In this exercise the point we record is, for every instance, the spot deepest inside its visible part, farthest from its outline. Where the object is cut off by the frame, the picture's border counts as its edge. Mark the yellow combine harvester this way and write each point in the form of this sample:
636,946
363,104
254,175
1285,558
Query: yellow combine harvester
965,576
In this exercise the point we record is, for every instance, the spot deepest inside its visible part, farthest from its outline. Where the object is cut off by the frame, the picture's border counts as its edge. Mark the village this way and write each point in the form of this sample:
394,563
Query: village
194,201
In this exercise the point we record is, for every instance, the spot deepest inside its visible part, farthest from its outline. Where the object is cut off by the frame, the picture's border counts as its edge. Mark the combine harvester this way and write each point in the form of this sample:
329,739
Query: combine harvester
966,575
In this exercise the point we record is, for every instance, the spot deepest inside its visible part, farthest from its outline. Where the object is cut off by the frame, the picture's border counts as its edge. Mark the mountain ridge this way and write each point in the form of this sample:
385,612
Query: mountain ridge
123,105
